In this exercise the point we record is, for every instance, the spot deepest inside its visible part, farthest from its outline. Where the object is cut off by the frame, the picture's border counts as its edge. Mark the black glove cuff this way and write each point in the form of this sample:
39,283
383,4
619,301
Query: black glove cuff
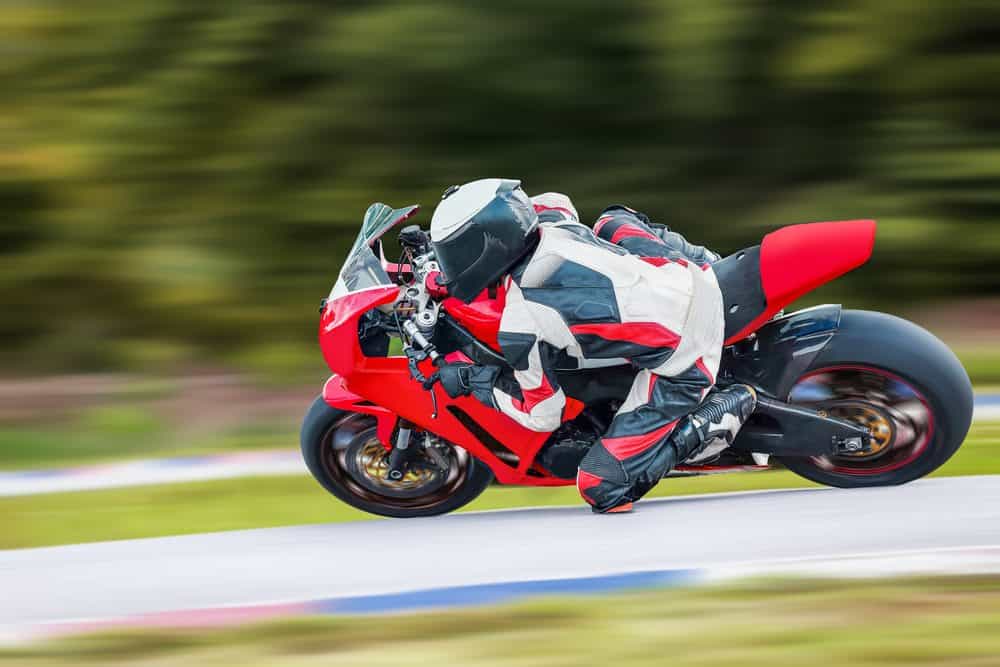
481,382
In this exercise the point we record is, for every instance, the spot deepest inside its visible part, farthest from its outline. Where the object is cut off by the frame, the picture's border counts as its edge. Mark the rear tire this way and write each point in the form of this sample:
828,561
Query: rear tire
914,366
343,453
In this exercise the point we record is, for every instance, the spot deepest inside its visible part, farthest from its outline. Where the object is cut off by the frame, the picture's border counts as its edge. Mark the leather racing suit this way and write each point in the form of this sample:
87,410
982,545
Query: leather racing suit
624,290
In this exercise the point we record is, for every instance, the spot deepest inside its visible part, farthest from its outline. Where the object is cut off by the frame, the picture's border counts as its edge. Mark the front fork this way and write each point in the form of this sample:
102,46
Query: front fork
406,449
401,453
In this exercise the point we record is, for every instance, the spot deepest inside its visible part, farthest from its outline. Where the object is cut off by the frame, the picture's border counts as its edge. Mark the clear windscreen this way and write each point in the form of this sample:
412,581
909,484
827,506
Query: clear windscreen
361,270
363,267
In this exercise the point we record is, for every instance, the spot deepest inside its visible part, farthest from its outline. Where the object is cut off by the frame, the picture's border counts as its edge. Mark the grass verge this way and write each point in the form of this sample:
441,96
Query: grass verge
945,621
176,509
118,434
982,363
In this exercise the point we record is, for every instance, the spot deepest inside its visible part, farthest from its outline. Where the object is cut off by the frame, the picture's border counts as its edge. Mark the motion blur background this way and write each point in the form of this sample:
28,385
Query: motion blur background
180,179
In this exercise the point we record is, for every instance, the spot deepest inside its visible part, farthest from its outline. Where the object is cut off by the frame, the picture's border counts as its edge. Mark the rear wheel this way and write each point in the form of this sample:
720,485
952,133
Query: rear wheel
902,383
344,454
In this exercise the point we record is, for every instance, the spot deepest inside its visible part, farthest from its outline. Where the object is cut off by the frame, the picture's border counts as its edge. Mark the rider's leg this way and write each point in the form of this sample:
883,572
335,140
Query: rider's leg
618,470
718,418
636,452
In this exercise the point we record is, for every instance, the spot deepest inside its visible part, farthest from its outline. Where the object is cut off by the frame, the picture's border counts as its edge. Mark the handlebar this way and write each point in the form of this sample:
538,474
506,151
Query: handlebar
425,345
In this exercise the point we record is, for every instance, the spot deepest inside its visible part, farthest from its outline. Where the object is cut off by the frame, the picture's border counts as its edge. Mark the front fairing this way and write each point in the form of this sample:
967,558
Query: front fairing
338,328
363,284
383,385
365,266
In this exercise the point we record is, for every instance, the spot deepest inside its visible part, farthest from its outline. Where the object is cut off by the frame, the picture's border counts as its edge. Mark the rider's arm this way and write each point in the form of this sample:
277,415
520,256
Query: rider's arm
634,231
695,253
540,406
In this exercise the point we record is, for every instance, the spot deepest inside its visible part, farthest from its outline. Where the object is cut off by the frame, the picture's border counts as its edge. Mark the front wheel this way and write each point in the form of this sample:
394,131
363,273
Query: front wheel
902,383
344,454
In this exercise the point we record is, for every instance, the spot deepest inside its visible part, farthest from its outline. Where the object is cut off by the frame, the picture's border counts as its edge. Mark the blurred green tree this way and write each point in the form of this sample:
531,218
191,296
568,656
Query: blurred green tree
179,179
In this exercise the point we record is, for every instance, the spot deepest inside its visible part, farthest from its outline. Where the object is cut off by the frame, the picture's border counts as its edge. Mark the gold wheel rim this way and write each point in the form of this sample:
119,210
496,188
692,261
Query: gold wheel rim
373,460
872,419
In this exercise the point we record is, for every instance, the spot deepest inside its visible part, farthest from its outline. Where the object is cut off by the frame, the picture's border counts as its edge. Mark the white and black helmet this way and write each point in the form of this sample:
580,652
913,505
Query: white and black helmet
479,231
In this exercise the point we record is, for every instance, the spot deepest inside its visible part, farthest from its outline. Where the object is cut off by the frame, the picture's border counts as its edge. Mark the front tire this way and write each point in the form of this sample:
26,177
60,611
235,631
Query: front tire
343,454
899,380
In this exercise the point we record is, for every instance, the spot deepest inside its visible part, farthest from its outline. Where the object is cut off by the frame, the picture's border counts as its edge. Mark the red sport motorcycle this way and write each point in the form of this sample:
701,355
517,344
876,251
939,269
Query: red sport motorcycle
848,398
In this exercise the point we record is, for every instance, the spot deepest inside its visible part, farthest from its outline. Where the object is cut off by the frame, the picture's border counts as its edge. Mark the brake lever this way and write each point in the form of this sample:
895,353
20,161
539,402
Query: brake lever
413,357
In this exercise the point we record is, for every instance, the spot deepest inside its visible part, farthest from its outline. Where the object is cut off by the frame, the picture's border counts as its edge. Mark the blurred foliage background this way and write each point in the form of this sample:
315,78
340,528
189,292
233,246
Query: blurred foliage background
179,179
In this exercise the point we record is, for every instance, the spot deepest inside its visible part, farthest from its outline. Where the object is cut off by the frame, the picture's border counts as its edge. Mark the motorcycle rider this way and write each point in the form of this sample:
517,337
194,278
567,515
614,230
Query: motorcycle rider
624,290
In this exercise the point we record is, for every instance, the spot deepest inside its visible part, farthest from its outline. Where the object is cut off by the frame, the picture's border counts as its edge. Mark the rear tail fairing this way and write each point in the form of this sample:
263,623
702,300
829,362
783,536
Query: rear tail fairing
759,282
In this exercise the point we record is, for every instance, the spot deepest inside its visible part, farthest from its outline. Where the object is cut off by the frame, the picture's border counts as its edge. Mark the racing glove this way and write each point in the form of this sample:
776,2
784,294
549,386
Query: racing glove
463,379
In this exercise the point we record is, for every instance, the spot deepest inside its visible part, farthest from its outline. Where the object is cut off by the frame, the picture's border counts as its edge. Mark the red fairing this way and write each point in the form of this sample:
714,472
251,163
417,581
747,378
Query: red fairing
382,386
481,317
338,328
797,259
337,395
573,408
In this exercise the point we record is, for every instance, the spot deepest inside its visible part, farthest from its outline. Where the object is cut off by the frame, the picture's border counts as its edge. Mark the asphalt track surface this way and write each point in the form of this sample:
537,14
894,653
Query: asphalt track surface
80,583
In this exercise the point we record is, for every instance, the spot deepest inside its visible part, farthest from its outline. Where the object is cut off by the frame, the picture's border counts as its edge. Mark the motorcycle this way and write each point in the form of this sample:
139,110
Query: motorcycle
847,398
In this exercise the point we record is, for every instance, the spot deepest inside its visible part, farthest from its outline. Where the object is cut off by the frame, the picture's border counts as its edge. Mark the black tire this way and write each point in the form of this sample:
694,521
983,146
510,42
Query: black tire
915,356
329,440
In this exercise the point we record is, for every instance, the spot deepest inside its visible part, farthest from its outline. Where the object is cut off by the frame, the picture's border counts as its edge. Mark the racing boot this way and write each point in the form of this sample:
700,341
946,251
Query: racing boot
715,423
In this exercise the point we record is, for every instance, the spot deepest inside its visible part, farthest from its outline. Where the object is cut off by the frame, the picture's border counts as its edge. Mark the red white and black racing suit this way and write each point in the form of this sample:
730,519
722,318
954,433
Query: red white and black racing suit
623,290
